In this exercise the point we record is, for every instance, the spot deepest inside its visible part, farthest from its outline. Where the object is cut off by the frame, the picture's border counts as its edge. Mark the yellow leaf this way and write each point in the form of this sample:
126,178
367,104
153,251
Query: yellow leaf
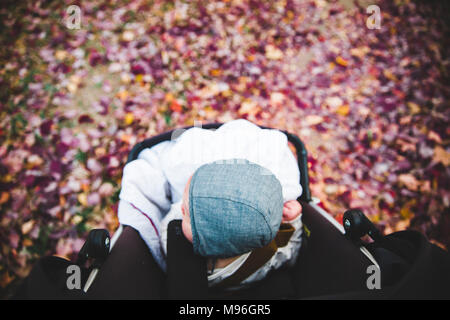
139,78
227,93
7,178
405,213
388,74
375,218
290,15
441,155
82,199
169,97
122,95
60,54
413,107
215,72
341,61
359,52
343,110
129,118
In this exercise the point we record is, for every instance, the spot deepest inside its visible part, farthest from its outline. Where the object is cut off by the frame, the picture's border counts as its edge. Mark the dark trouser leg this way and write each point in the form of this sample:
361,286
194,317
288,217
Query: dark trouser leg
130,271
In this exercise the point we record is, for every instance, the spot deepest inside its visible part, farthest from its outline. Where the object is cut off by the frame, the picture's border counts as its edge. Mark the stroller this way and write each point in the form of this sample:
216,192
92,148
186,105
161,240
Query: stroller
333,262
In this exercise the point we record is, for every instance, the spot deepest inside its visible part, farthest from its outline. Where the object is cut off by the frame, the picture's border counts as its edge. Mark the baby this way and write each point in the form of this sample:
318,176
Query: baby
228,209
157,188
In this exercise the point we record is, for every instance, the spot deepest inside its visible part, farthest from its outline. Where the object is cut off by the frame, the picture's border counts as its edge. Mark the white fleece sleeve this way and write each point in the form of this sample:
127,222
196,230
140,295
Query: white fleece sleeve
144,198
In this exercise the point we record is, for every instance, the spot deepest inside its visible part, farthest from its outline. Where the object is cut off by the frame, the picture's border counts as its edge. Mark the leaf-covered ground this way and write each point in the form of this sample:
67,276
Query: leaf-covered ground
372,106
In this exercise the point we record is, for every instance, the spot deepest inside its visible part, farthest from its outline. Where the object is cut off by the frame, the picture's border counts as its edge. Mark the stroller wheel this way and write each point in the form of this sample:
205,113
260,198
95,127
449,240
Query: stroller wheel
357,225
96,246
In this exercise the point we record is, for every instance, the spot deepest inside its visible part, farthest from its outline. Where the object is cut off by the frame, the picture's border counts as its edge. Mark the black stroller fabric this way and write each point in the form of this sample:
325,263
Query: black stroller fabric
128,275
47,281
428,276
186,271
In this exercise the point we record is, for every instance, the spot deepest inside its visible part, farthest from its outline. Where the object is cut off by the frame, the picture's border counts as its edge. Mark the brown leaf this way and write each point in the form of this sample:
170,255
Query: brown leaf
27,226
441,155
413,107
313,120
4,197
409,181
434,136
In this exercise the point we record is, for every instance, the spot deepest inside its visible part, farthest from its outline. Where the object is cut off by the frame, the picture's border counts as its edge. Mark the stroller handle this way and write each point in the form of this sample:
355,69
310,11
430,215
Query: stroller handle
302,155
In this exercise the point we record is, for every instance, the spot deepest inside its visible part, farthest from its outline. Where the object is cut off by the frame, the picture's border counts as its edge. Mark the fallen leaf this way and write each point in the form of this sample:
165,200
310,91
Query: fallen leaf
389,75
441,155
215,72
4,197
343,110
360,52
27,226
273,53
123,95
249,107
413,107
409,181
434,136
341,61
60,54
333,102
175,106
82,199
129,118
276,98
127,36
313,120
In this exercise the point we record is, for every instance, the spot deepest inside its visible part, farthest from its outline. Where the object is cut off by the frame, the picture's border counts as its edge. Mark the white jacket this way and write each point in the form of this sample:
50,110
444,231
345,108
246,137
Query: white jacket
156,180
